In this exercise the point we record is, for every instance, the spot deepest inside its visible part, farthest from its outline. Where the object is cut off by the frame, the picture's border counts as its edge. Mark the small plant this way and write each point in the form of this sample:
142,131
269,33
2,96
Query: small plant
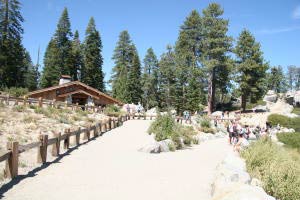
22,164
172,147
63,120
2,175
19,108
29,119
82,113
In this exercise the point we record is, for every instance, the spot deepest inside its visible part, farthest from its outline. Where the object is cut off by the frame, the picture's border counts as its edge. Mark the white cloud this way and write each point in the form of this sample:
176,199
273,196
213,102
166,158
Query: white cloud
279,30
296,13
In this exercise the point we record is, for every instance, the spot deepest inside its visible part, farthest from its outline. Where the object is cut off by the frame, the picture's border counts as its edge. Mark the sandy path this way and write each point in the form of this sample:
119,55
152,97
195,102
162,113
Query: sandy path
111,168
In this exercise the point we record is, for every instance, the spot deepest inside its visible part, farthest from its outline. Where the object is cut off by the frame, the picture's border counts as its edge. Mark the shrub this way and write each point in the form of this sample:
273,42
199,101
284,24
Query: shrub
82,113
16,92
112,110
19,108
252,105
29,119
273,165
164,127
290,139
284,121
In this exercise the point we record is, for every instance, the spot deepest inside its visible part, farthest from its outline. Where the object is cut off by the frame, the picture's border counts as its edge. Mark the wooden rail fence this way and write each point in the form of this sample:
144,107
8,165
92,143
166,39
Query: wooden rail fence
14,149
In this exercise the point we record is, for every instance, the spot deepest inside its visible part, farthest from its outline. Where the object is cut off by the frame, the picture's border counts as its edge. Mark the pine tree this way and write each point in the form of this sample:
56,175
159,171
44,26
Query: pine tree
215,47
77,57
62,38
188,54
12,69
150,96
58,59
134,77
51,70
122,58
92,73
31,74
251,69
167,79
277,80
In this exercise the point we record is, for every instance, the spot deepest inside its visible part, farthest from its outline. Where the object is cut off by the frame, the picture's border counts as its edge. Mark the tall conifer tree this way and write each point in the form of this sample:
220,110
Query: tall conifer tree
150,96
251,69
92,73
77,56
59,53
122,58
167,79
215,47
12,52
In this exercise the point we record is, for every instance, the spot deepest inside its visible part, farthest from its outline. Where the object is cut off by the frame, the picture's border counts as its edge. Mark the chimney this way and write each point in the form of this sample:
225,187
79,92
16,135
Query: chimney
64,79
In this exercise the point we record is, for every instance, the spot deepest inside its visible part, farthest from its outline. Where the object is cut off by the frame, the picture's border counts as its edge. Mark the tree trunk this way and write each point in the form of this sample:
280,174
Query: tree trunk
211,92
243,103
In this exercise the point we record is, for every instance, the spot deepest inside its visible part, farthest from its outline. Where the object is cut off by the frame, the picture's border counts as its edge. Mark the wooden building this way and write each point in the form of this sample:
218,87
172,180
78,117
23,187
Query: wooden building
74,92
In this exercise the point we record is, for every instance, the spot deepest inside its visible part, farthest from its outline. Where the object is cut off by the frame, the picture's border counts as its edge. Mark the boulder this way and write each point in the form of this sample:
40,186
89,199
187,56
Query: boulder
164,145
256,182
244,192
271,96
153,147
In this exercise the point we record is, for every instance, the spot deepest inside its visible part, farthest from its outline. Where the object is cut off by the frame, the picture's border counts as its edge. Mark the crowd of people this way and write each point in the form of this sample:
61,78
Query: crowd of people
238,134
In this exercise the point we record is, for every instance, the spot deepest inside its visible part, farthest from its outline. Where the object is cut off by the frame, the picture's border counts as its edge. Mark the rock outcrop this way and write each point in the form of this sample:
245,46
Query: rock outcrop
232,182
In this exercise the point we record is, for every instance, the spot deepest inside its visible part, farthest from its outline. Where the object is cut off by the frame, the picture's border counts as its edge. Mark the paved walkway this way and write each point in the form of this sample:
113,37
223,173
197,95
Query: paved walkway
111,168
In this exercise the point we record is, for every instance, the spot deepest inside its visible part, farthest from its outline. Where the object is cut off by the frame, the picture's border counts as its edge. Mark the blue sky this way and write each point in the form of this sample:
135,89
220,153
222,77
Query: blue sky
155,23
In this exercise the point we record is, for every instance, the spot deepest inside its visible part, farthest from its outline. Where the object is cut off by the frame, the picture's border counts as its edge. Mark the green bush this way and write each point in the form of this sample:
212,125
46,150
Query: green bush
290,139
16,92
112,110
164,127
284,121
275,167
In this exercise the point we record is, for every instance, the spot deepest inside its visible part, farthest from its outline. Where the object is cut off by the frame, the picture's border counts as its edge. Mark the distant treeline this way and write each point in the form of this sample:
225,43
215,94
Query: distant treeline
202,68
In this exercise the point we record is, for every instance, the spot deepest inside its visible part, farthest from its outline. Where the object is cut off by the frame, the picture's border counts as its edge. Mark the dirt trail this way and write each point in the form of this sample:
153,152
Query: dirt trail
111,168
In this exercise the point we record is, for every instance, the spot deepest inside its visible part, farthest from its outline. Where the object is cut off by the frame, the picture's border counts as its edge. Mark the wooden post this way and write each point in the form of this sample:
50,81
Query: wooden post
42,153
76,106
78,136
145,117
113,124
56,145
87,133
7,99
40,102
109,123
67,140
25,98
150,117
11,168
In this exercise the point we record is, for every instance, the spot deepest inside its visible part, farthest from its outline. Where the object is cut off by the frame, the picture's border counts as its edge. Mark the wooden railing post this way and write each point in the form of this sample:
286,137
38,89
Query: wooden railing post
87,133
77,136
150,117
109,123
112,123
40,102
67,140
42,153
97,130
145,117
56,145
11,168
7,99
25,98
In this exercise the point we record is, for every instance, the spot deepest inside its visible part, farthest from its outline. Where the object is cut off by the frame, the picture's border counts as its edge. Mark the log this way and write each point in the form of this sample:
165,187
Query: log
56,145
42,153
11,167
